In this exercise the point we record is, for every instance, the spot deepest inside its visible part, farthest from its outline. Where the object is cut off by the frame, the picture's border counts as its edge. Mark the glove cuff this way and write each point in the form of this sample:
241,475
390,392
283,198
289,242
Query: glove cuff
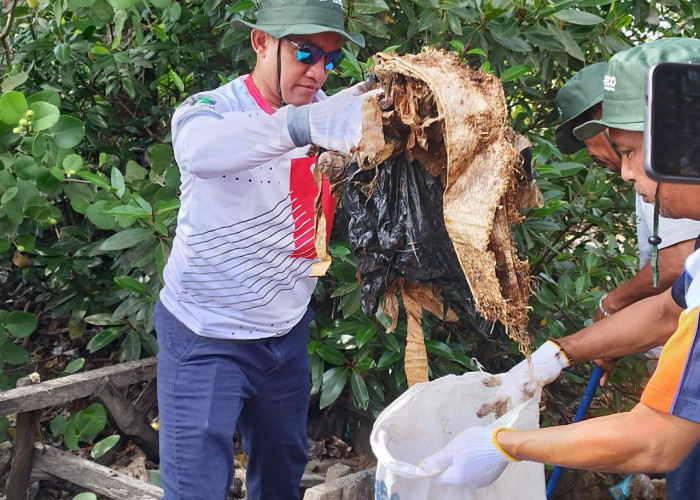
498,446
559,354
298,125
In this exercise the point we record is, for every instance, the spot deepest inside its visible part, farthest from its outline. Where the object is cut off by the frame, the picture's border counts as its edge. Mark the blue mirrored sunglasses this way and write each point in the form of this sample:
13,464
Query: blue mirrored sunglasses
310,54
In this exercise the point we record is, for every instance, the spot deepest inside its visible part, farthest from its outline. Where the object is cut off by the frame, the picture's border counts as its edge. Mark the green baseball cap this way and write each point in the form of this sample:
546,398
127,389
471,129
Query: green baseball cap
625,80
300,17
583,91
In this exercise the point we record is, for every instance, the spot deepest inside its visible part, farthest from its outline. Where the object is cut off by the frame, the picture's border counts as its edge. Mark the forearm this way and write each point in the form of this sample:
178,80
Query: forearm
640,285
212,145
645,324
643,440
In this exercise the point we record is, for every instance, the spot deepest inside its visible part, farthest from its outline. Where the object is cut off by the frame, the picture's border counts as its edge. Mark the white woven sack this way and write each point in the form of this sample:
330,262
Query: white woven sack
424,419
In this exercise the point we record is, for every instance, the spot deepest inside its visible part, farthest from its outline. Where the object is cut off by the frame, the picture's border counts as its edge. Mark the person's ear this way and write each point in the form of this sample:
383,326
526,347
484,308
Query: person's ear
262,42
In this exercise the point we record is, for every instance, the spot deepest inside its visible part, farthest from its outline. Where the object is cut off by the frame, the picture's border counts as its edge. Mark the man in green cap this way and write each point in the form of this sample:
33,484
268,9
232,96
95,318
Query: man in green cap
581,100
665,426
233,317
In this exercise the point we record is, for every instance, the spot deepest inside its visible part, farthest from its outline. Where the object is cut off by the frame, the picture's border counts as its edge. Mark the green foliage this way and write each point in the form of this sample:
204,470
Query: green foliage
74,366
88,187
83,426
114,228
85,496
104,445
580,243
15,325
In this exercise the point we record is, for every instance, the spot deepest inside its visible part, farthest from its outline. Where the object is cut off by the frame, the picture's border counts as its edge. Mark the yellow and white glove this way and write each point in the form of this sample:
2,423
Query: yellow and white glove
334,123
521,382
473,459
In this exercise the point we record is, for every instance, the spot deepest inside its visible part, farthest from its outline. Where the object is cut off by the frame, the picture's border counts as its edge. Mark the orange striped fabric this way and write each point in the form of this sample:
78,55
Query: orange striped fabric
672,388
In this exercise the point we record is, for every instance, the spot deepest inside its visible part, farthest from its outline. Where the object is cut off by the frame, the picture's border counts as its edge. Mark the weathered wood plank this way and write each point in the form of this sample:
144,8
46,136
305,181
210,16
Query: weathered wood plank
96,478
18,479
80,385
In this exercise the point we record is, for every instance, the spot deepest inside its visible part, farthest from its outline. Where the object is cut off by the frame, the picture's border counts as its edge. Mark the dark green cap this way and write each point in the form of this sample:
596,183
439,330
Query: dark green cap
583,91
625,80
300,17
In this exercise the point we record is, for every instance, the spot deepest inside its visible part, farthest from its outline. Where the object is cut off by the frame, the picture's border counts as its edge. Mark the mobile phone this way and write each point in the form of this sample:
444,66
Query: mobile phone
672,123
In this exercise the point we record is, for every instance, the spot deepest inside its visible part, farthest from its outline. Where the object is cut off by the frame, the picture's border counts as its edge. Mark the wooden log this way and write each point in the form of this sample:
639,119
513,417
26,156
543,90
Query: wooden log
358,486
91,476
80,385
18,479
131,423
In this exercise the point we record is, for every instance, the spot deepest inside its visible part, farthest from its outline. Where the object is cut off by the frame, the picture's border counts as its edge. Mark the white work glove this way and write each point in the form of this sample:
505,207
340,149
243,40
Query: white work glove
334,123
521,382
472,459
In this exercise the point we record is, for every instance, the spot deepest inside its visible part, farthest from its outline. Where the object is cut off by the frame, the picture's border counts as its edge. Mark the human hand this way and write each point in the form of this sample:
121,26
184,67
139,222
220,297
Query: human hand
472,459
521,382
336,122
607,364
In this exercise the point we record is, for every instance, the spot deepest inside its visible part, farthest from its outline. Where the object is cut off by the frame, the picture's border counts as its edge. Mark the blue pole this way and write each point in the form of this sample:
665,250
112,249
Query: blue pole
580,413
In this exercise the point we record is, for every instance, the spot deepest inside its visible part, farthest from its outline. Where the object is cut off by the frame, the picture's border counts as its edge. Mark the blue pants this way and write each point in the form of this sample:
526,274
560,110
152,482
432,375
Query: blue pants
208,388
683,483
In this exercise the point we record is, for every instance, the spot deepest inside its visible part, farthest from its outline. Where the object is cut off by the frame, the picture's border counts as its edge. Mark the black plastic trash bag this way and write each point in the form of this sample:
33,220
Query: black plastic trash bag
396,228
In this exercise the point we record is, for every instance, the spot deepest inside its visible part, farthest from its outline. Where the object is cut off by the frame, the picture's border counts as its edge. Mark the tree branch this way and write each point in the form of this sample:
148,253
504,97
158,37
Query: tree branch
6,31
